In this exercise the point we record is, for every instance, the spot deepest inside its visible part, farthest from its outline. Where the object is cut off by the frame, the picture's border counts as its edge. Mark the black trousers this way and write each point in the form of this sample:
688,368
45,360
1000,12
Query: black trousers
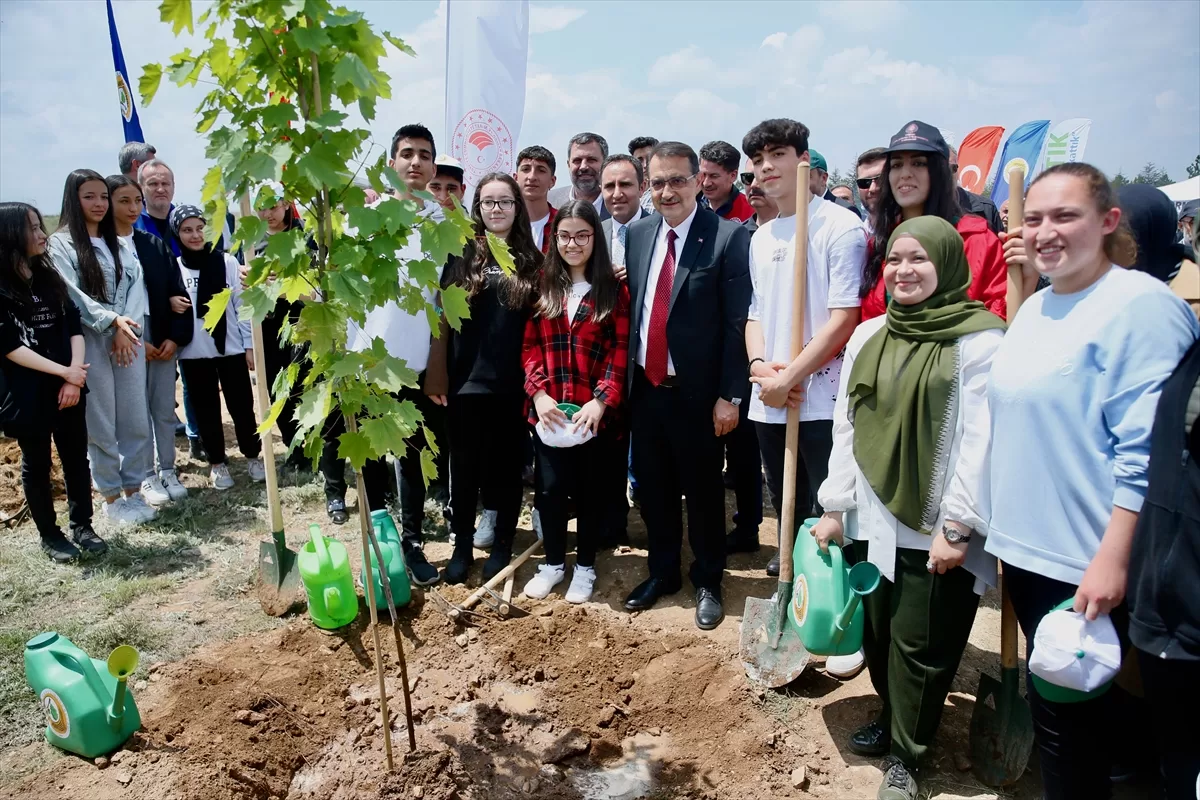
744,462
1173,694
1076,761
488,436
579,473
208,380
676,452
377,473
816,441
279,357
68,429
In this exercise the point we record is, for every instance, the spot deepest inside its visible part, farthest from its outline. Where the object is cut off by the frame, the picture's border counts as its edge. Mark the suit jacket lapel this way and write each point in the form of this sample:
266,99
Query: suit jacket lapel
691,249
649,238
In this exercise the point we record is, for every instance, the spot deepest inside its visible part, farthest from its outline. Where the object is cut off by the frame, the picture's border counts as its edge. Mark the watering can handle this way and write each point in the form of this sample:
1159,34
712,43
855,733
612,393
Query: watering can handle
322,551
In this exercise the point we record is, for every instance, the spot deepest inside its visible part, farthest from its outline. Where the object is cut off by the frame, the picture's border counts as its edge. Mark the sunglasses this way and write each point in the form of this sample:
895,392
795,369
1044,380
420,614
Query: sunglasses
865,183
747,178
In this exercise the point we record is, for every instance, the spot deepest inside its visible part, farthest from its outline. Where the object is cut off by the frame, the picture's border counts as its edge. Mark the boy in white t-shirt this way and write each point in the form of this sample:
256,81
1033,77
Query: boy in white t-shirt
837,250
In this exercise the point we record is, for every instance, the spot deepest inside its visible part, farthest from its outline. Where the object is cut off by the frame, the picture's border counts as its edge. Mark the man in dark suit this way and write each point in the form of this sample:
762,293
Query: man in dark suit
689,284
622,184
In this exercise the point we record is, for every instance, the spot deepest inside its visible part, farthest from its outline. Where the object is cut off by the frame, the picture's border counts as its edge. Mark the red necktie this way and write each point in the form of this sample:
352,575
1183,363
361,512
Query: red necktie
656,337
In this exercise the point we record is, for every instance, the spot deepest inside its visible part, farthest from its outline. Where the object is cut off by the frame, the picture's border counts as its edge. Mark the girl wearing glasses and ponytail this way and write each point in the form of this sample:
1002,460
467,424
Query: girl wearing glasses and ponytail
476,373
576,349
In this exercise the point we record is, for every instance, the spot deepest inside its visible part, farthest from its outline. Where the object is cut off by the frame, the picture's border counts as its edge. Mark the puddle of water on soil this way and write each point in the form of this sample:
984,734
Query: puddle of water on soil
628,779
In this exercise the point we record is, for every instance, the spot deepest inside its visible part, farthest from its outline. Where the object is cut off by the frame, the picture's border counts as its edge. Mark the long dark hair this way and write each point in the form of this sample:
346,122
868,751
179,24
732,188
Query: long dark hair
71,218
942,202
14,241
468,271
556,275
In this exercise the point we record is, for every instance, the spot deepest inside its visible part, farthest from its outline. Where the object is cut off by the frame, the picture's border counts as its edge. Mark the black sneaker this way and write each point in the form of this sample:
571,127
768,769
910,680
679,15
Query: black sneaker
899,782
420,570
871,740
59,549
498,559
773,567
88,541
460,564
196,451
336,508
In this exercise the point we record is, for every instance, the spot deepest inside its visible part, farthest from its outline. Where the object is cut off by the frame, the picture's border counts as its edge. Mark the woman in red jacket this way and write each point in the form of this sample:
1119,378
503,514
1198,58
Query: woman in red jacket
917,181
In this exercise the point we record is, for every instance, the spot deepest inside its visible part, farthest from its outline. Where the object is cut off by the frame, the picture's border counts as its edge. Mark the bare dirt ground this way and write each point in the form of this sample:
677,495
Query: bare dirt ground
579,703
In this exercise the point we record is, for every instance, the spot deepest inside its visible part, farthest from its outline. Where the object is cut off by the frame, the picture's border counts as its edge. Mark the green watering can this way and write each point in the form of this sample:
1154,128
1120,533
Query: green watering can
826,609
325,571
88,709
393,561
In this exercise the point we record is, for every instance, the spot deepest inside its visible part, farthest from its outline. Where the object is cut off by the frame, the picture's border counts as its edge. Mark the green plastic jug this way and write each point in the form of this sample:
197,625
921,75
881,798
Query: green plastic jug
325,571
826,609
88,709
393,561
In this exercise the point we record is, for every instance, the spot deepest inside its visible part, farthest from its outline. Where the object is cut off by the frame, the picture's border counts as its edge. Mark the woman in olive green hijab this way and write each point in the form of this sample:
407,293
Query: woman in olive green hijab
908,485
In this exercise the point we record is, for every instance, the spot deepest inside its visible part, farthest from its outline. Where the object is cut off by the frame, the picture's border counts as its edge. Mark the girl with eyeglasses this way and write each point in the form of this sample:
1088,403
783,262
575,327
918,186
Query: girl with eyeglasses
104,279
575,351
917,181
476,373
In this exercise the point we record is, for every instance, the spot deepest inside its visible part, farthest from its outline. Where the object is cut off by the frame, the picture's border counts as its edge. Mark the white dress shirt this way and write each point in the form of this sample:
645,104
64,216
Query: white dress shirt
656,263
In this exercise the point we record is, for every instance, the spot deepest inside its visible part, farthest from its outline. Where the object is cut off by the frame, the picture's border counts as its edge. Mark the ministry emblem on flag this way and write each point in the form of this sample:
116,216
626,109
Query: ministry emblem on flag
124,97
482,143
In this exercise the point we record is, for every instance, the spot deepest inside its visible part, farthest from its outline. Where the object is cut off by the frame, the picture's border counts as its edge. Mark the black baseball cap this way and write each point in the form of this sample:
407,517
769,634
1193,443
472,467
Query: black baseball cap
918,135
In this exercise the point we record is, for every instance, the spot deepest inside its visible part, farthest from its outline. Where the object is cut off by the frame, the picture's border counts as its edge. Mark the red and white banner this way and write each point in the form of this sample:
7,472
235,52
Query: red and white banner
975,157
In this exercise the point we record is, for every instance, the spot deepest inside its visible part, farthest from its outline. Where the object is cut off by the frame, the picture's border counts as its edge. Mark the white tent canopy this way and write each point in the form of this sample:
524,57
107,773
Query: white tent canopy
1183,191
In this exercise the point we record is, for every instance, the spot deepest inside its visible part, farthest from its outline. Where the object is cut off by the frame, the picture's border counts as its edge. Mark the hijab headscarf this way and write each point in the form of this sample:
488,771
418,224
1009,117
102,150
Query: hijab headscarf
904,381
1152,219
209,263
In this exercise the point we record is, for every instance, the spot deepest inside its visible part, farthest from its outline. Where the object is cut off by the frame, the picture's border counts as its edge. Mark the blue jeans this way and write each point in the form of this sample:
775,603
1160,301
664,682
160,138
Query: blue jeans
189,413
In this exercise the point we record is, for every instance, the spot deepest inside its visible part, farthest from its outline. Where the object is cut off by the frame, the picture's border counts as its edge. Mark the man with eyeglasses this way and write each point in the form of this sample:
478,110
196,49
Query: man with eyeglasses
764,207
689,285
718,171
585,153
868,169
976,204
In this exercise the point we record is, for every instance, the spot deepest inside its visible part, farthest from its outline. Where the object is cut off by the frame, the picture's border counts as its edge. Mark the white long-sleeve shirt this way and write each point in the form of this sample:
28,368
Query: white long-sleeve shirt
238,334
965,498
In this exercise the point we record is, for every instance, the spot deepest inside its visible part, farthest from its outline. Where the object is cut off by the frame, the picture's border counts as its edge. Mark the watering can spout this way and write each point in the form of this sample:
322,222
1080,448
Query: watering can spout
121,662
863,579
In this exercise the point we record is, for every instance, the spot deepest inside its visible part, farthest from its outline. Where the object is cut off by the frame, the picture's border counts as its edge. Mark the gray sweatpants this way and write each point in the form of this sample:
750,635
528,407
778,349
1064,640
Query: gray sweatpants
160,399
117,418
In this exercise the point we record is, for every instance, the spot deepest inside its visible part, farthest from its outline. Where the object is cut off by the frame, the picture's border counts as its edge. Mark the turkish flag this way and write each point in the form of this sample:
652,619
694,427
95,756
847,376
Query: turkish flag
975,157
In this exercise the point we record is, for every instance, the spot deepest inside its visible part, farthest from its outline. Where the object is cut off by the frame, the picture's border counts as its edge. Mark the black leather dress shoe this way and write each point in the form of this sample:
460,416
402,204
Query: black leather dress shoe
773,567
708,609
871,740
646,593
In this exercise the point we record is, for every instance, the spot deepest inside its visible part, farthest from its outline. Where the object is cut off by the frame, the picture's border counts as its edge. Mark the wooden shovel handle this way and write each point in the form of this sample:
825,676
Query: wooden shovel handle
500,576
1008,629
787,522
1016,213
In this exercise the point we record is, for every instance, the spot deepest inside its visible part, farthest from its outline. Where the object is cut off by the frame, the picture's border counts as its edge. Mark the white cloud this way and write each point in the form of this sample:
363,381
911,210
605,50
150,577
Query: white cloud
691,105
775,40
681,67
547,19
861,16
1165,101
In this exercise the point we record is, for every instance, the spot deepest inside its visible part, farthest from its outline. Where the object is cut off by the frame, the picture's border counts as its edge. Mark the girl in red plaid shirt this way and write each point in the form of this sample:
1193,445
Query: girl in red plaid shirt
576,349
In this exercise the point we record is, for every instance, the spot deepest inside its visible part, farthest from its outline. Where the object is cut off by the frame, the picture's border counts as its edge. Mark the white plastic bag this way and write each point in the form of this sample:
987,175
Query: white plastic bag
1072,652
562,436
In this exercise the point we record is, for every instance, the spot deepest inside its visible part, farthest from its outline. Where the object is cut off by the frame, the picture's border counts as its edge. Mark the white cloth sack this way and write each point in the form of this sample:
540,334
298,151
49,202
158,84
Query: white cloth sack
562,436
1072,652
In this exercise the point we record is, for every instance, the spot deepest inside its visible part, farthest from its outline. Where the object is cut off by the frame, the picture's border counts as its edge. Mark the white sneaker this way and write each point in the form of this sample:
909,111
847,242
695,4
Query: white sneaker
582,580
537,523
221,479
136,502
547,578
154,492
170,482
845,667
118,512
258,472
485,531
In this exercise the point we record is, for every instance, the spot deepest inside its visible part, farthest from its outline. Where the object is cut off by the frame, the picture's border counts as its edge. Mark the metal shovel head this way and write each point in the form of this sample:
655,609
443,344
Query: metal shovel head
278,577
1001,730
772,653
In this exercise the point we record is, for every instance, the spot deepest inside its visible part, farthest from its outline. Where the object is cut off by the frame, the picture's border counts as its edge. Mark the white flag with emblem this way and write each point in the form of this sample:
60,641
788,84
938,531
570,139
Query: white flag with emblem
487,50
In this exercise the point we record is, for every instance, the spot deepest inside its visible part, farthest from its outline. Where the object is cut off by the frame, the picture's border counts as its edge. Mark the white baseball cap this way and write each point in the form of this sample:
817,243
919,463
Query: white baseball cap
1074,658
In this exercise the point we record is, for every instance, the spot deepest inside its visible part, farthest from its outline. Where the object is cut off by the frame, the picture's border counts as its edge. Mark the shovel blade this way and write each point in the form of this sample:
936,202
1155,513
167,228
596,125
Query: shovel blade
278,582
1001,730
771,652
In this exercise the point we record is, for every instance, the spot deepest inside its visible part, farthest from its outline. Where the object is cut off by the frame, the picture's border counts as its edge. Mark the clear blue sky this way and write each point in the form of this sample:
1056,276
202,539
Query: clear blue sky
853,72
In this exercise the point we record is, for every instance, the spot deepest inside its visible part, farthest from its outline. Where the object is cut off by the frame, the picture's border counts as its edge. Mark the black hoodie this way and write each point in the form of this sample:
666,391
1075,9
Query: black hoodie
163,281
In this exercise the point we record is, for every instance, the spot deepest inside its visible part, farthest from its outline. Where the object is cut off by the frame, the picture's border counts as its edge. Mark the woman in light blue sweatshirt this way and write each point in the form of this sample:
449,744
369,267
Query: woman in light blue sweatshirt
1073,391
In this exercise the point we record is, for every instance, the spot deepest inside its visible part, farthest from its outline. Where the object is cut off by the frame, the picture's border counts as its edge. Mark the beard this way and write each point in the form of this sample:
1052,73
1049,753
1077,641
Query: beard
586,182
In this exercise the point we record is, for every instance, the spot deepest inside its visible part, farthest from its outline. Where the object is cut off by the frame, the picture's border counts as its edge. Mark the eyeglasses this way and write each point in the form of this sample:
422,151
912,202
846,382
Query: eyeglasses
676,182
504,205
580,239
747,178
865,183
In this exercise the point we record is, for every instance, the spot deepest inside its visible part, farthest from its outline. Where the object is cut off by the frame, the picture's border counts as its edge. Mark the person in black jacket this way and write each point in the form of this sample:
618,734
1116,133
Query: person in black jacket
976,204
167,328
42,378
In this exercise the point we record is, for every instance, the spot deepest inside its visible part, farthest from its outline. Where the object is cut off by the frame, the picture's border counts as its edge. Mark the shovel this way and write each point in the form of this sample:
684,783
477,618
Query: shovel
278,583
1001,724
771,651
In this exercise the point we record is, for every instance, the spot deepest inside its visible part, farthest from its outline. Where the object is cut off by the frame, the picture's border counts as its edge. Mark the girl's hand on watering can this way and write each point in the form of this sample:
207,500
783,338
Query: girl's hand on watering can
945,556
829,529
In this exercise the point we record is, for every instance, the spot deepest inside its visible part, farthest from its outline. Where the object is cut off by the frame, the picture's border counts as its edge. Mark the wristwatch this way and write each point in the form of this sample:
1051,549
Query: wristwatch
734,401
954,535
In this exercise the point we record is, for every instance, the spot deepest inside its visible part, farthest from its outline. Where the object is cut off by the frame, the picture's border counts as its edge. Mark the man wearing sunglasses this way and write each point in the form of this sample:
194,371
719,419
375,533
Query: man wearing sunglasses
689,283
765,208
868,169
718,170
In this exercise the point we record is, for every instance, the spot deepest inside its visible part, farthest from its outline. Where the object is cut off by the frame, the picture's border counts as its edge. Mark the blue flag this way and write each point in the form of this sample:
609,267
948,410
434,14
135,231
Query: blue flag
1023,147
129,116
